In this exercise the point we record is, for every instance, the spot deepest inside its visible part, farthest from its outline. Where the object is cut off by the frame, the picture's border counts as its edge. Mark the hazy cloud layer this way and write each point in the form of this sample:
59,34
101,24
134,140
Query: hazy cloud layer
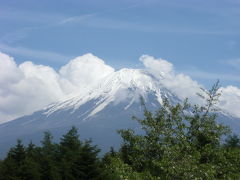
31,53
28,87
235,63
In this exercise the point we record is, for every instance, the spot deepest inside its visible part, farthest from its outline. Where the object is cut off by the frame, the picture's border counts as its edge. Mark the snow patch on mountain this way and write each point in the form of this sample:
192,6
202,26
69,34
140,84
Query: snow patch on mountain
119,86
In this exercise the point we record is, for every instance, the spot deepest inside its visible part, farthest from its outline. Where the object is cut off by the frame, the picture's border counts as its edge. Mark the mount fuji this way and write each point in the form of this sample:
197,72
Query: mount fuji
98,111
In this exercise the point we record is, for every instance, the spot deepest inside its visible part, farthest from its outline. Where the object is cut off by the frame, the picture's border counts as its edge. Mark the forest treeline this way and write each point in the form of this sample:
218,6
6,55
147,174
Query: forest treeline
177,142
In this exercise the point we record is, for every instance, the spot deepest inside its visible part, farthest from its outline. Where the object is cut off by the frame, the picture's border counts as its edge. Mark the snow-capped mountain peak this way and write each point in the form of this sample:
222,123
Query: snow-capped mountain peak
119,86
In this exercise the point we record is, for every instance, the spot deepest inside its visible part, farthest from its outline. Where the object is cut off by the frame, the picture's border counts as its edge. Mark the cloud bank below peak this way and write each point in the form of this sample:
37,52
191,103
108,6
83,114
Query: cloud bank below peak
36,86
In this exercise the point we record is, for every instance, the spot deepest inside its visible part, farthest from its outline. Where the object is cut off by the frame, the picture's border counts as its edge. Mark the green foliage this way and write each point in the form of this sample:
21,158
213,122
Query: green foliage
46,156
71,159
178,142
78,159
18,165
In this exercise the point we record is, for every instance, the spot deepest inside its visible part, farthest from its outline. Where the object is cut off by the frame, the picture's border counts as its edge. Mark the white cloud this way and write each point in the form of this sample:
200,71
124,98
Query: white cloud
84,71
29,87
9,72
75,19
230,100
183,86
161,66
25,88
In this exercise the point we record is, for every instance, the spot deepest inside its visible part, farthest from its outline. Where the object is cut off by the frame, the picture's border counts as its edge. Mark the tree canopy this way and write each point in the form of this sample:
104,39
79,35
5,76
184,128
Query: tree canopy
70,159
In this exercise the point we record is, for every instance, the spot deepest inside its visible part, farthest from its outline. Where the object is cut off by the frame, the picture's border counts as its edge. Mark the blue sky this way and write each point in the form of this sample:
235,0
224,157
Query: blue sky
201,38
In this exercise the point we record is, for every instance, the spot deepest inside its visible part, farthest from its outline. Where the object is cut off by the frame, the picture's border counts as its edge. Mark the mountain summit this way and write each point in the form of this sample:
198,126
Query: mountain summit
122,87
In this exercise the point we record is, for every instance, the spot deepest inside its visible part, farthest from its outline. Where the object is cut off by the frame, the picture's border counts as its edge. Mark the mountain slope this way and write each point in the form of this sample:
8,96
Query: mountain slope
98,111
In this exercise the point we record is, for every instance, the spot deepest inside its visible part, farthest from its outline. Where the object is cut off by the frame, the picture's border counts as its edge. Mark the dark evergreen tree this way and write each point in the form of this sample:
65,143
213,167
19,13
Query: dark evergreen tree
70,147
70,159
78,160
87,162
18,165
48,158
17,153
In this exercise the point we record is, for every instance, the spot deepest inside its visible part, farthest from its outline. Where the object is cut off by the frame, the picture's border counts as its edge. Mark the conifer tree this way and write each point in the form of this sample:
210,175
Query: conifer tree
88,162
70,147
48,154
78,160
18,165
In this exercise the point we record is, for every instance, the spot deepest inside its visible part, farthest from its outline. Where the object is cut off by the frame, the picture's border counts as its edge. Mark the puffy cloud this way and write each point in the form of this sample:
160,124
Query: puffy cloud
182,85
29,87
9,73
230,100
25,88
88,66
159,66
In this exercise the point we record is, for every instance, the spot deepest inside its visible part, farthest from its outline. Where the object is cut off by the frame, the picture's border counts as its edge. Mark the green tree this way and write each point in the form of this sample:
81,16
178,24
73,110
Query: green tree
70,147
88,162
78,159
48,158
17,153
71,159
18,165
178,142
